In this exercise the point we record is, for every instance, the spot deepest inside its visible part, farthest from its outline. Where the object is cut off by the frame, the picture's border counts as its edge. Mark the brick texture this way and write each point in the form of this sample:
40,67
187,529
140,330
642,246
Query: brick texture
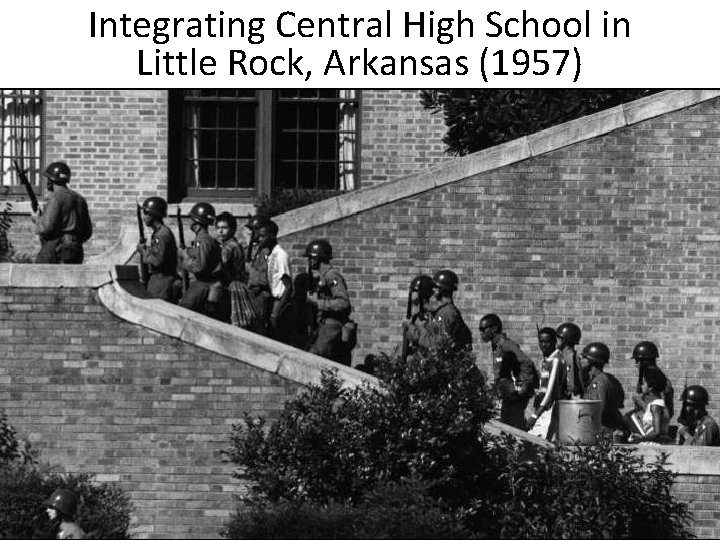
399,136
96,394
703,495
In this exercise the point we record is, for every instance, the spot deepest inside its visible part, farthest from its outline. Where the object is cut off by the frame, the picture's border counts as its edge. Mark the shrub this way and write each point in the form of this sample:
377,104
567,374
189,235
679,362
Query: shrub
596,491
104,511
391,510
331,463
284,200
478,119
336,443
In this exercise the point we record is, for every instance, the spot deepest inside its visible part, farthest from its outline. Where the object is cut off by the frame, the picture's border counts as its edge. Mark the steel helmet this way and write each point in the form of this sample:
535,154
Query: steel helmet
155,206
569,332
255,222
422,284
645,350
696,395
58,172
446,279
202,213
597,353
319,249
64,501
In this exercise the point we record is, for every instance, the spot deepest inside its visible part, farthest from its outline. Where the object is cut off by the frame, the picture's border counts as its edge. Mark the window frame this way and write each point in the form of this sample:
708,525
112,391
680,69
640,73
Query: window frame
265,148
16,189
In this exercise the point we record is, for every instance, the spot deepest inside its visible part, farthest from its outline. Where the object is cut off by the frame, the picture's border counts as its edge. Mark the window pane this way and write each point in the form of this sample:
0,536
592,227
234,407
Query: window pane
220,132
227,144
207,174
246,174
315,134
20,135
226,174
246,144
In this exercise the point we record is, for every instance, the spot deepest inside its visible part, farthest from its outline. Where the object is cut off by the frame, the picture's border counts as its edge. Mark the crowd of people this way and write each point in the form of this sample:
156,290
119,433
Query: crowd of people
253,288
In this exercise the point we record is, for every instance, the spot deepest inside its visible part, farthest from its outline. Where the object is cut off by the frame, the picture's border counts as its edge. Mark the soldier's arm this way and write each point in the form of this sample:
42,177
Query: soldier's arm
339,300
156,251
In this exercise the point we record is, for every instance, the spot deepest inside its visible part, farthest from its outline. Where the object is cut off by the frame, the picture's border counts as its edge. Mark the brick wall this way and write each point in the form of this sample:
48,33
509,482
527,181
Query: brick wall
618,233
399,136
97,394
116,142
702,492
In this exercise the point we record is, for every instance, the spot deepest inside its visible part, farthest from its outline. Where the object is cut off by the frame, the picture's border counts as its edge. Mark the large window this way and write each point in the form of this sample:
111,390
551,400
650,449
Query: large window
238,143
20,136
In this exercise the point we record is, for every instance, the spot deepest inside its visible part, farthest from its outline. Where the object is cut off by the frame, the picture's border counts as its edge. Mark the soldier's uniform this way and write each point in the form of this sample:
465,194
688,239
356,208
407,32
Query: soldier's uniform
525,372
333,311
201,260
65,223
161,257
706,432
443,322
569,358
606,388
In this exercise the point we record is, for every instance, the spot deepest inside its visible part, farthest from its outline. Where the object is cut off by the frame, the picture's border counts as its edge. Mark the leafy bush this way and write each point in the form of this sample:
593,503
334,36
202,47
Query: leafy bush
478,119
6,248
331,463
104,511
596,491
284,200
393,510
337,443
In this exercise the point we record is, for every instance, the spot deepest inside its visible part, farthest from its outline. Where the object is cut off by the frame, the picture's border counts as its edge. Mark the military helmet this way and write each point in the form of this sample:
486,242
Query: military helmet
319,249
446,279
645,350
696,395
422,284
255,222
155,206
202,213
64,501
569,332
597,353
58,172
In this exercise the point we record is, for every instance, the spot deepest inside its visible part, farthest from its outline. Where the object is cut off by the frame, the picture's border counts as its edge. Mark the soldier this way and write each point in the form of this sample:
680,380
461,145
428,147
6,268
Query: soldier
507,354
202,259
568,336
64,226
444,320
646,354
330,295
603,386
278,305
232,276
62,507
161,254
553,378
700,429
421,290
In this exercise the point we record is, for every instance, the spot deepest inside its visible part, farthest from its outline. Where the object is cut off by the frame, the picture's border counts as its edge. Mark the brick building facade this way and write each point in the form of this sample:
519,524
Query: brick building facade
608,221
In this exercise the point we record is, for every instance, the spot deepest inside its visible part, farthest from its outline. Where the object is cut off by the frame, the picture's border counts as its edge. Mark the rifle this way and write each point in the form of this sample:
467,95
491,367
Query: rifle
141,230
408,314
682,419
22,175
181,238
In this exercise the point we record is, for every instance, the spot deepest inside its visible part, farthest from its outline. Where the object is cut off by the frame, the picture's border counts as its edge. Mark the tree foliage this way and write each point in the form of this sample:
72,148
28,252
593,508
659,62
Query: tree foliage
478,119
